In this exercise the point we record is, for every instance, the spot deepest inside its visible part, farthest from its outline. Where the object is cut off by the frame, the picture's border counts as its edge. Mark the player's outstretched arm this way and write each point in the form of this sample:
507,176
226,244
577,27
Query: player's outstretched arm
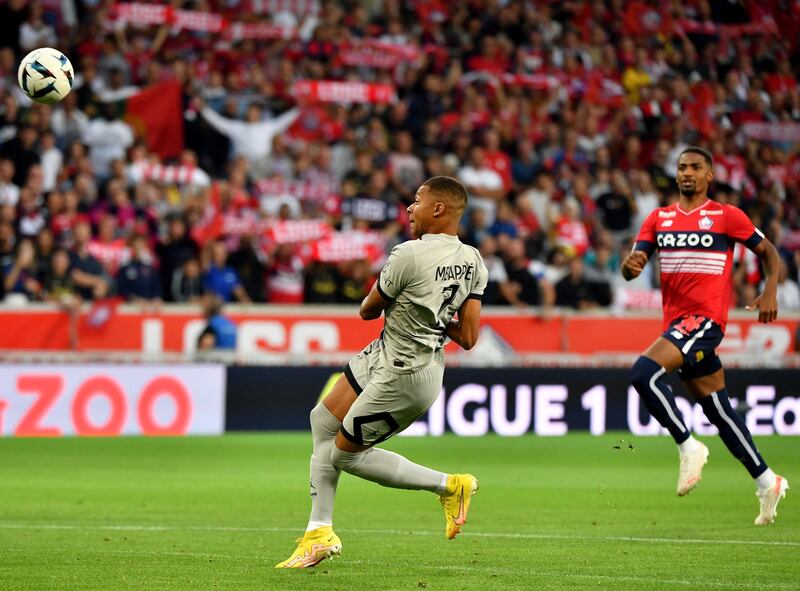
634,264
374,304
464,331
767,302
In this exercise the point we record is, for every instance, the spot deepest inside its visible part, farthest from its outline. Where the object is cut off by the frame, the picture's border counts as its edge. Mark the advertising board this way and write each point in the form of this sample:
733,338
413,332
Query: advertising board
42,400
518,401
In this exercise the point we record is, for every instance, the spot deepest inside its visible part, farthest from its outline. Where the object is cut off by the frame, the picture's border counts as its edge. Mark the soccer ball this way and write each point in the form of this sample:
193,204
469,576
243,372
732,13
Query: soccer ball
45,75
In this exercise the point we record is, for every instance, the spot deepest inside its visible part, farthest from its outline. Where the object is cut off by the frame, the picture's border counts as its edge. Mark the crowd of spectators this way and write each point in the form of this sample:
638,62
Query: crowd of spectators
563,120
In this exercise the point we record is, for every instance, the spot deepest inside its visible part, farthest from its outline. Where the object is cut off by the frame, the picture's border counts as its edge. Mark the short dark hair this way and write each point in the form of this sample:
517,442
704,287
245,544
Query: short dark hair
207,331
701,151
450,189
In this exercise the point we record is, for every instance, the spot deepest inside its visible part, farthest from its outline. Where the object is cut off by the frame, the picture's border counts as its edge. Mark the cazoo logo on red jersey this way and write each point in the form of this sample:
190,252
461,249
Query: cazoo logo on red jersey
684,239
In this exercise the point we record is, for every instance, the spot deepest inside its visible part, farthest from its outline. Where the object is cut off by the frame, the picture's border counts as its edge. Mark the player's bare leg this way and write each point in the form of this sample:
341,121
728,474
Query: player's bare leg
647,376
320,541
340,398
710,392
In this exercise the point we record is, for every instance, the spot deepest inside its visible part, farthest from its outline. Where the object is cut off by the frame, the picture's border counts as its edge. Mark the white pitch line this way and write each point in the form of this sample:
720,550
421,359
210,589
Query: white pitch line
524,536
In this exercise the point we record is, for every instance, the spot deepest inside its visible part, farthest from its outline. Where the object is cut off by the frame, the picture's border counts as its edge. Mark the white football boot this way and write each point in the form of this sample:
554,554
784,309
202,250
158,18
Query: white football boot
768,500
691,469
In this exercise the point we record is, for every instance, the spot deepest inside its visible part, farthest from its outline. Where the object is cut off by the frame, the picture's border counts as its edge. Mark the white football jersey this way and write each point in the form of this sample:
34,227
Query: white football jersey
427,281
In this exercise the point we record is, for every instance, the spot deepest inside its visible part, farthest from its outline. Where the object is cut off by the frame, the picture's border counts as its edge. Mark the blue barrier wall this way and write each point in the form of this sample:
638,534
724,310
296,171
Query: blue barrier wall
517,401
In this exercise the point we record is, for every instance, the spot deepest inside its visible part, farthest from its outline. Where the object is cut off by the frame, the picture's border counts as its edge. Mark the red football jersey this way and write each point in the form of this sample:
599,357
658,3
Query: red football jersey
695,250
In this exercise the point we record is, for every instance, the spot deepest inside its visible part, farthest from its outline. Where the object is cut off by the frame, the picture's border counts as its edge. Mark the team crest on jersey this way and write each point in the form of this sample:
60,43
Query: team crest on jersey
666,214
705,223
666,223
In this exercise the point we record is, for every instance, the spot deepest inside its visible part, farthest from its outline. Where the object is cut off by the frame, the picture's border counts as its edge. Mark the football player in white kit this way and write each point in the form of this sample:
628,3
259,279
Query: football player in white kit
398,376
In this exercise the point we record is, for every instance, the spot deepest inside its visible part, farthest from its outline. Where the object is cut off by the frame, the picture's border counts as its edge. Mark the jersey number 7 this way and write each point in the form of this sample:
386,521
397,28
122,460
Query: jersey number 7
449,294
442,317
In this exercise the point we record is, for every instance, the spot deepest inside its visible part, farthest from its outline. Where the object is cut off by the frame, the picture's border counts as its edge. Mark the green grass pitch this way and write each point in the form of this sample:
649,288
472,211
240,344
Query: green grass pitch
576,512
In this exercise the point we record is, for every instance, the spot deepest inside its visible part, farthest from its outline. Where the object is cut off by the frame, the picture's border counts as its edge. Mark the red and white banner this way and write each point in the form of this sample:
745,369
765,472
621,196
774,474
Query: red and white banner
592,86
311,190
371,53
626,298
140,13
197,20
333,91
309,329
532,81
764,27
296,7
288,231
109,400
169,175
773,132
379,54
349,246
262,31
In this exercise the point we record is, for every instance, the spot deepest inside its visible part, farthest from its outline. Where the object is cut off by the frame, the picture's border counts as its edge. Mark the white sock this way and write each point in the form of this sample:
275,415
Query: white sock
387,468
442,485
324,475
691,445
766,479
324,478
316,525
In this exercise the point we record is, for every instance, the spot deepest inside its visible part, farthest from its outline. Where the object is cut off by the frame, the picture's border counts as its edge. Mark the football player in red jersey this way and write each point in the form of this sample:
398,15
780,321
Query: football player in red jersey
694,239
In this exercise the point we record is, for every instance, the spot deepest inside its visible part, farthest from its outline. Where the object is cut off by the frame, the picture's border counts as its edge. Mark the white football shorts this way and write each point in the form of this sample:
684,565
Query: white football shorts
387,401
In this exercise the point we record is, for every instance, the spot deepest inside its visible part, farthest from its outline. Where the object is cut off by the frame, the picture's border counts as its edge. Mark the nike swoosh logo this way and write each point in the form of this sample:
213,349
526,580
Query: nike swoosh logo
461,518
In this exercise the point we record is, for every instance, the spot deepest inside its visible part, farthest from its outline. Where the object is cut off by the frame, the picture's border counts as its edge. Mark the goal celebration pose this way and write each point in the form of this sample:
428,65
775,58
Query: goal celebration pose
398,376
694,239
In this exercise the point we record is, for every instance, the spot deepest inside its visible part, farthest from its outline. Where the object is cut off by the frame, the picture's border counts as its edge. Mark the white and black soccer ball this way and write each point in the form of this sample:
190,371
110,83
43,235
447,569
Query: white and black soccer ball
45,75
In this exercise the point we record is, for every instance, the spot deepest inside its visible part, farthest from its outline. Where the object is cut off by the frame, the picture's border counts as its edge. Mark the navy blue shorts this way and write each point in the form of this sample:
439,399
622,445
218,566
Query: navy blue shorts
697,337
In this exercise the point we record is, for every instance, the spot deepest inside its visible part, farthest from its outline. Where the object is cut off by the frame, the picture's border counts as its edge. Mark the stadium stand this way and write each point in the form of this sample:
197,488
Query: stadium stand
265,150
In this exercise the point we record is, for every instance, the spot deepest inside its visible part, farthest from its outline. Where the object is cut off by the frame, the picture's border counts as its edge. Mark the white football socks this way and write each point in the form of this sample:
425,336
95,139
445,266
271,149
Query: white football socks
691,445
388,469
442,488
324,475
766,479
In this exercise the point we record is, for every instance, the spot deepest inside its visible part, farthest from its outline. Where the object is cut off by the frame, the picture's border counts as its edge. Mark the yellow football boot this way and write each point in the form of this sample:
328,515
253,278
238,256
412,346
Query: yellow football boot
455,502
314,547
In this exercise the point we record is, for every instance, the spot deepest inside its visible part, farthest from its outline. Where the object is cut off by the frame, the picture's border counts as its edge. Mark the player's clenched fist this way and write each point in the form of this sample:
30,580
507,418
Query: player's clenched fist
633,264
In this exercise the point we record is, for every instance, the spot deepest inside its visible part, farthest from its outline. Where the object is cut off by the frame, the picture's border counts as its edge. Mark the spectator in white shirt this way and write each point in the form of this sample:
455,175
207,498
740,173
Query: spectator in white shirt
405,168
647,199
34,32
484,185
52,160
540,198
251,138
497,287
108,138
394,33
788,291
591,139
68,122
9,192
117,90
112,60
